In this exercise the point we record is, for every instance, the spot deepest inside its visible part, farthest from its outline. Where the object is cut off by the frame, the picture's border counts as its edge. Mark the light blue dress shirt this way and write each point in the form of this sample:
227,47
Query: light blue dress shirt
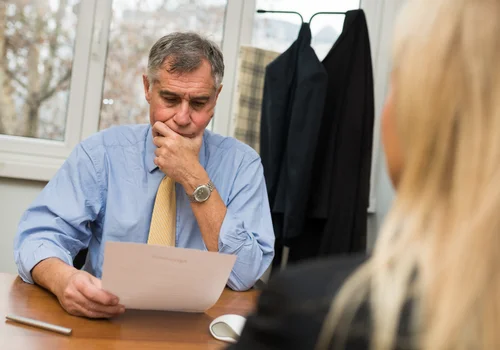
105,191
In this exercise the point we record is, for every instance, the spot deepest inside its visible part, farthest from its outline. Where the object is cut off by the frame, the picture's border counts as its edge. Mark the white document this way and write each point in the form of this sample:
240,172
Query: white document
152,277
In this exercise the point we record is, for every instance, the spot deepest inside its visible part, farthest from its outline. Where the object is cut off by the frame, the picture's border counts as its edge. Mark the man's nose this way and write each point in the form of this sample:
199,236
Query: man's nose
182,117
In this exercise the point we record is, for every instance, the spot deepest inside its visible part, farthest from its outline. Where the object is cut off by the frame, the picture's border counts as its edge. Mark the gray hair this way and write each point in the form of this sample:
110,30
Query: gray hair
184,53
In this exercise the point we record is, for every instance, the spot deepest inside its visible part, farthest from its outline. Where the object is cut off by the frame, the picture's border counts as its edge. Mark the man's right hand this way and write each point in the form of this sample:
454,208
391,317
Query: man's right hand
83,295
79,292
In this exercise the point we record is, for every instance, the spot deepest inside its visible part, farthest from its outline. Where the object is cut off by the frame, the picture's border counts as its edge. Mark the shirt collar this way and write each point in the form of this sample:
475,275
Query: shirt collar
150,151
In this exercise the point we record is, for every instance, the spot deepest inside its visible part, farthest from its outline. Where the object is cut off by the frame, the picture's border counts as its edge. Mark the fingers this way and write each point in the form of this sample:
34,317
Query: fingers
159,159
159,152
175,153
83,296
103,302
95,281
162,129
75,303
94,311
158,141
92,292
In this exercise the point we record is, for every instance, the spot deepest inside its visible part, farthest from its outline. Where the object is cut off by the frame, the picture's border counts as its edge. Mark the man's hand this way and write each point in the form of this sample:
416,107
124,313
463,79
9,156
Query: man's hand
177,155
82,295
79,292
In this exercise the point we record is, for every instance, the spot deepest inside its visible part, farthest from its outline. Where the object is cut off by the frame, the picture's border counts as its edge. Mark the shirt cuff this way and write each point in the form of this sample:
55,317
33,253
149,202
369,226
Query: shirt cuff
31,253
235,239
232,235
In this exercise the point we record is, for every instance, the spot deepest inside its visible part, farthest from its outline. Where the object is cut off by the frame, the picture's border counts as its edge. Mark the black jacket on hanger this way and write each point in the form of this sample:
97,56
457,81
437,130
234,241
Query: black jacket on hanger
316,143
292,108
342,161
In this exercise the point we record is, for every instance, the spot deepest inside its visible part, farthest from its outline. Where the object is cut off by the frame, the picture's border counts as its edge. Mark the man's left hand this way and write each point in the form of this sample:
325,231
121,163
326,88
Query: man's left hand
176,155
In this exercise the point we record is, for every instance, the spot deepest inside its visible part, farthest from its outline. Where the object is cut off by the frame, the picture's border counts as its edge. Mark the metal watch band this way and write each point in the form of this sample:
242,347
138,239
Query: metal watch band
211,185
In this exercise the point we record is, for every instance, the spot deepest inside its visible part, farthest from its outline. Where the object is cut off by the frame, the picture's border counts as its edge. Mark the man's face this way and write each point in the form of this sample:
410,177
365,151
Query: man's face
184,102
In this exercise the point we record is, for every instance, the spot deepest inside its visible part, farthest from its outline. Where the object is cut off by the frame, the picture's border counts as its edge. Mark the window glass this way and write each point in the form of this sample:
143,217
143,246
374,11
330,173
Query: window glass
277,31
272,34
135,27
37,40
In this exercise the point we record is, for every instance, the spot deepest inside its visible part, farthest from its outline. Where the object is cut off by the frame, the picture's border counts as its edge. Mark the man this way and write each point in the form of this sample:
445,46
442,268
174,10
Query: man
116,185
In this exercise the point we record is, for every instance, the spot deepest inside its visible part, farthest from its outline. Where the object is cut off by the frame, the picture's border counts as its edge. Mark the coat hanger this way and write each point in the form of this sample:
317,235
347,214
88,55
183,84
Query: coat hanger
301,18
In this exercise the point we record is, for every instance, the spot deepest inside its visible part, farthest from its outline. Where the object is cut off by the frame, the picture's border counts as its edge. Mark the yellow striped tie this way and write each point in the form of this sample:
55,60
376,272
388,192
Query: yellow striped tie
163,221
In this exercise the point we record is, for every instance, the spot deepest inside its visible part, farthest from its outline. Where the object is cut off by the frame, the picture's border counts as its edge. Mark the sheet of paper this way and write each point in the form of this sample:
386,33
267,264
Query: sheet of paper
152,277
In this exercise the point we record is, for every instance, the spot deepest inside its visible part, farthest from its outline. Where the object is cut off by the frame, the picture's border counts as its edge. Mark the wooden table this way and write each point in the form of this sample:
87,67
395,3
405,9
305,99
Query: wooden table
133,330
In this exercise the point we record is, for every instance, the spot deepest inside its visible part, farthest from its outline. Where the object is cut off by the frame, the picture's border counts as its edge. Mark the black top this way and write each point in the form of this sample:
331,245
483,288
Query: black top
316,143
342,161
292,107
292,308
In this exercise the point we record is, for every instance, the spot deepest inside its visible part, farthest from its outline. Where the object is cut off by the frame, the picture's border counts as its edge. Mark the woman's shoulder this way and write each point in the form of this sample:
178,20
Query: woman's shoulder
292,307
316,278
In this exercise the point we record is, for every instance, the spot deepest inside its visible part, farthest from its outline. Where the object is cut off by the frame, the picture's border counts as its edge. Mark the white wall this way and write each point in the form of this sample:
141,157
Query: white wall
383,25
384,194
15,196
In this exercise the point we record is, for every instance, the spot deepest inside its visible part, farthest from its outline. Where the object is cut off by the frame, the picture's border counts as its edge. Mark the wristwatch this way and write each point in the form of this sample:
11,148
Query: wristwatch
202,193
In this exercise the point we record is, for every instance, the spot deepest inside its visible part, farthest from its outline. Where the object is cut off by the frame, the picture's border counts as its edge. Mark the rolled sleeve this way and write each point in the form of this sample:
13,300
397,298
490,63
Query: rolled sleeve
247,229
32,252
57,224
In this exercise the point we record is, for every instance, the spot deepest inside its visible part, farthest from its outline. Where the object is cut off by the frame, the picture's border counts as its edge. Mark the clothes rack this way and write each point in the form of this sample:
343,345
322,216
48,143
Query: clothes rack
301,18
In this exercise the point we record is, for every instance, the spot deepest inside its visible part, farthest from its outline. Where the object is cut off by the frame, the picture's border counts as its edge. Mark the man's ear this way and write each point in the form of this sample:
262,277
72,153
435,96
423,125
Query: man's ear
218,92
147,91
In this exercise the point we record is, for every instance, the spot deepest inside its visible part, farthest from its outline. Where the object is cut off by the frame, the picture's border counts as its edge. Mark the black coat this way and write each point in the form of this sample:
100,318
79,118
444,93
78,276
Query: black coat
317,154
292,107
342,164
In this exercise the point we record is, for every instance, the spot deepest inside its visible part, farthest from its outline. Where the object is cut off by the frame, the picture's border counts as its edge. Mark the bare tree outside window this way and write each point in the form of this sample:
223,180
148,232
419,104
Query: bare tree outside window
135,27
36,53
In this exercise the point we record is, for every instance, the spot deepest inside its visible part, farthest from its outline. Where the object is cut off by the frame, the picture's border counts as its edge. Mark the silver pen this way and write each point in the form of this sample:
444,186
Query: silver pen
39,324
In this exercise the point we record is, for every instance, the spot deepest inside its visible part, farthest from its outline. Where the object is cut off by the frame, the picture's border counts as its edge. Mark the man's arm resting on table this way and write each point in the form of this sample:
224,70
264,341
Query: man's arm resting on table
51,274
224,231
53,229
79,293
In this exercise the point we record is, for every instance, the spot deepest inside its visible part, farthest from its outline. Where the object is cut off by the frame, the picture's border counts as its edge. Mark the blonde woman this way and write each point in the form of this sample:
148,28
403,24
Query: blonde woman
433,281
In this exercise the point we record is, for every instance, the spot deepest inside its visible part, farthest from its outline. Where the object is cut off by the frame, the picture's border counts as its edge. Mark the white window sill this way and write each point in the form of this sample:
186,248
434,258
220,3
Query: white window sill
29,167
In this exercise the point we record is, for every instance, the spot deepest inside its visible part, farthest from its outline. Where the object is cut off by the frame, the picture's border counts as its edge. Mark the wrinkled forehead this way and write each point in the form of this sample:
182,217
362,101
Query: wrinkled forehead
199,70
185,85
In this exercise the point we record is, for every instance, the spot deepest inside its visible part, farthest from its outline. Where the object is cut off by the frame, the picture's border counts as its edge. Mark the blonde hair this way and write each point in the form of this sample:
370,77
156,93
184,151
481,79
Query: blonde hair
440,243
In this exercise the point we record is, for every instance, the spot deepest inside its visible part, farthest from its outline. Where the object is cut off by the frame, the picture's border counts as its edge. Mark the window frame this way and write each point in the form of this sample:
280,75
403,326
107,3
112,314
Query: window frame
39,159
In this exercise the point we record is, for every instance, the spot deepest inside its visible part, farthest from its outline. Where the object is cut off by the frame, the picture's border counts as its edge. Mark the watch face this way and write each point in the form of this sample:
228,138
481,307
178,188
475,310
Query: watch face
202,193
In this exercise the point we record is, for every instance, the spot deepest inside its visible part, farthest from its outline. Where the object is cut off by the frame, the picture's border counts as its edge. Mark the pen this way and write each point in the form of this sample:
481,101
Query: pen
39,324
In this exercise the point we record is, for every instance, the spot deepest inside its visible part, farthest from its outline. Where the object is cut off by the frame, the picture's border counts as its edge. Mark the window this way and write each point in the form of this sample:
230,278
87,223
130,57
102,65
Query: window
276,31
78,68
272,34
38,39
43,67
135,27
